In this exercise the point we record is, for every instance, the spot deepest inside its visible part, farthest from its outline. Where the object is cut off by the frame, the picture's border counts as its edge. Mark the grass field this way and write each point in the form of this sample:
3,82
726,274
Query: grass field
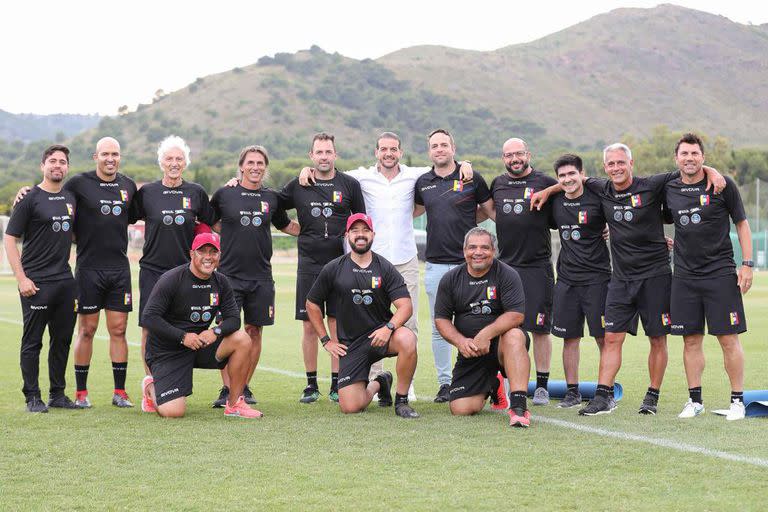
311,457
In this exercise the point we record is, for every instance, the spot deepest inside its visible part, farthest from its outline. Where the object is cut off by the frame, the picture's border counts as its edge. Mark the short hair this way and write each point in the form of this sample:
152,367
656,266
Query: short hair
253,149
52,149
569,159
389,135
618,146
690,138
443,131
477,230
322,136
170,142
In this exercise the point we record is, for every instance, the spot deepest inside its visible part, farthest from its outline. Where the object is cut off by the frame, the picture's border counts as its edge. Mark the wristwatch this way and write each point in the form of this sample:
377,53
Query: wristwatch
748,263
325,339
217,330
390,326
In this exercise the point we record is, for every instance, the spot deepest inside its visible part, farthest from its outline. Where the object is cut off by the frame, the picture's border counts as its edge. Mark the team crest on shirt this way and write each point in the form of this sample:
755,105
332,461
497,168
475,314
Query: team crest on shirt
583,217
264,207
490,292
271,312
214,299
375,282
458,185
124,195
336,197
636,201
704,200
527,193
665,320
540,319
734,317
186,203
127,299
70,209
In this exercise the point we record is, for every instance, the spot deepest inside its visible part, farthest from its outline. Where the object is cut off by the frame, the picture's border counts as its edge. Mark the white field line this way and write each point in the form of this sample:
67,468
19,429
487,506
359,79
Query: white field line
616,434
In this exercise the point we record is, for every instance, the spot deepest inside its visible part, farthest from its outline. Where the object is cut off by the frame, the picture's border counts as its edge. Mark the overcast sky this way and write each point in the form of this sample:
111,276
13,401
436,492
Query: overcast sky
92,57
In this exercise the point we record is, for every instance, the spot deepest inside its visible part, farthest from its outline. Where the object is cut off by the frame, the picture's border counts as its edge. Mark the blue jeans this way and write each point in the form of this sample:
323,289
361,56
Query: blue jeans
441,349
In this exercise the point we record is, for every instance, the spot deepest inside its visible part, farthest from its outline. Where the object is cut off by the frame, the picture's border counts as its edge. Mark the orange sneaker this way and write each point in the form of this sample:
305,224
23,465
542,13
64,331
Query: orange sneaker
241,409
499,400
147,404
519,418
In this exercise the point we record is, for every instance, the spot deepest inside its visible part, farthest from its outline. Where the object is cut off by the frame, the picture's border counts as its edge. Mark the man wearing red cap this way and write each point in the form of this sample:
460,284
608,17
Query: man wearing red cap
178,316
366,285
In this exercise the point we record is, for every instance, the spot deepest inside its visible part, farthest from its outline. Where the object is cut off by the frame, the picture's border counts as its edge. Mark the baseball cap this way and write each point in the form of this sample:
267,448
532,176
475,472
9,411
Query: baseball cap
201,227
206,239
359,217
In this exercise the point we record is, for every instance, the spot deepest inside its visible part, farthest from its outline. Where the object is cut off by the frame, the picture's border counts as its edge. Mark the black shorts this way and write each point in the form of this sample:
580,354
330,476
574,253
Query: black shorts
716,299
304,282
475,375
172,370
647,298
103,289
356,365
573,304
147,280
256,299
538,283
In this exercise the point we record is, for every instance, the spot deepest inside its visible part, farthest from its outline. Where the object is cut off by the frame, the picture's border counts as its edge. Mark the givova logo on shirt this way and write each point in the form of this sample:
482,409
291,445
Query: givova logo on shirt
214,299
375,282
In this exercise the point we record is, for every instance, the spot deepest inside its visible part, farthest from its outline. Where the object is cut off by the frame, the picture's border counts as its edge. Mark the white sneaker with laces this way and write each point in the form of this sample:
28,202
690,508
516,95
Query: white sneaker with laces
691,409
737,411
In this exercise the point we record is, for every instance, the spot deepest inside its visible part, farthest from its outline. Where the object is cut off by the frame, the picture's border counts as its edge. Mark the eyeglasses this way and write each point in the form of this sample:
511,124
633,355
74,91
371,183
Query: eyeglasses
518,154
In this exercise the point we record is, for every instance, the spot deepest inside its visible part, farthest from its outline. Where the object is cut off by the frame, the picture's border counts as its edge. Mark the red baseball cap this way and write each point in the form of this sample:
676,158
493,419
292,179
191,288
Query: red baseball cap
359,217
206,239
201,227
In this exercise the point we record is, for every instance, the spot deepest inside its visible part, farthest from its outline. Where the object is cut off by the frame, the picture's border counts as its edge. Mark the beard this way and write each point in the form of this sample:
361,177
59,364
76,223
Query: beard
519,171
361,250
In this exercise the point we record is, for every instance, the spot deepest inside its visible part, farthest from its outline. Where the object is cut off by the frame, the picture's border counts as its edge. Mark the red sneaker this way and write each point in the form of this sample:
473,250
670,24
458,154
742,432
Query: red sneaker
519,418
147,404
81,399
241,409
499,400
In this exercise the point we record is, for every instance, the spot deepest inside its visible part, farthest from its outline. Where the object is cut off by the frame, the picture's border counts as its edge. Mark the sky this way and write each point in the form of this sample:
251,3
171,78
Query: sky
93,57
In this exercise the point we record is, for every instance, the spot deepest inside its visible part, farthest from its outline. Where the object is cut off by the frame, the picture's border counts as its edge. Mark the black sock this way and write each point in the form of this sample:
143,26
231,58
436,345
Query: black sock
695,394
81,376
573,387
517,399
611,391
312,379
118,373
737,395
401,399
334,381
542,379
652,393
603,390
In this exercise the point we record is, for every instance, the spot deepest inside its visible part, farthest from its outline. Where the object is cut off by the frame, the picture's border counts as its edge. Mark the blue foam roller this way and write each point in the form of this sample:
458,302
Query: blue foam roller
557,389
756,402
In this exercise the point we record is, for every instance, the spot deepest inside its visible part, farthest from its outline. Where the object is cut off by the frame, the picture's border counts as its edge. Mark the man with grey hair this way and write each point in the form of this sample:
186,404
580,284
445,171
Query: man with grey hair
479,309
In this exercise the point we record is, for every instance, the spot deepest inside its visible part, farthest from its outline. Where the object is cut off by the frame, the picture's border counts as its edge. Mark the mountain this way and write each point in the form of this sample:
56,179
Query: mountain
29,127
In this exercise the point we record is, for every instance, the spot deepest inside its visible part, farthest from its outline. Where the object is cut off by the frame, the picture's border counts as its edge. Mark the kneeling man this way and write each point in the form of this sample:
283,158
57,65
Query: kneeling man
178,316
366,285
479,309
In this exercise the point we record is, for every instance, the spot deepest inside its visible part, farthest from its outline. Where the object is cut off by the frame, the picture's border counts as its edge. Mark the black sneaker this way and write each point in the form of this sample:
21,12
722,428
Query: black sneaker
404,410
36,405
571,399
220,402
648,406
62,402
601,404
309,395
385,389
248,396
443,394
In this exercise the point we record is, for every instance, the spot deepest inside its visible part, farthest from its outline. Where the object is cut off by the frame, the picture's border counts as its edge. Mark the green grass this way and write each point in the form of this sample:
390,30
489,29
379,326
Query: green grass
301,457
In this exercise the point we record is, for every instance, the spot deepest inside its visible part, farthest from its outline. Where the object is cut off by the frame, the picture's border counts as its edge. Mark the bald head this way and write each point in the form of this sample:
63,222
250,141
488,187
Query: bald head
107,158
107,141
516,157
514,142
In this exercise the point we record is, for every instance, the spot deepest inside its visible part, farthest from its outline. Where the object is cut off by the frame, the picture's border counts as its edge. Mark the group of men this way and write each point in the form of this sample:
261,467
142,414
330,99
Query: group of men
484,296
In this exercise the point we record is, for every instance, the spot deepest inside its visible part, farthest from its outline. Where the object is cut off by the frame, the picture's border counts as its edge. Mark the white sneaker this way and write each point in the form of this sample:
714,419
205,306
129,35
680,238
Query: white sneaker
691,409
737,411
411,393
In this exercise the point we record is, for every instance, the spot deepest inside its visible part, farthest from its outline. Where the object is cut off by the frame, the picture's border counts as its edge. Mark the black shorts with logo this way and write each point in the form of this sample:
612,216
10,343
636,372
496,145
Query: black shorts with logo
304,282
573,304
104,289
172,370
147,280
356,364
538,284
716,300
256,299
647,298
475,375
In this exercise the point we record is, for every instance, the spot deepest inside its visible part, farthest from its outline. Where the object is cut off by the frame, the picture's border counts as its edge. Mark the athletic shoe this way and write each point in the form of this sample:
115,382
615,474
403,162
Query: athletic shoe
147,404
691,409
540,396
499,400
248,396
571,399
519,417
309,395
82,400
601,404
385,389
411,393
241,410
220,402
62,402
404,410
648,407
120,399
737,411
333,395
36,405
612,403
443,394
